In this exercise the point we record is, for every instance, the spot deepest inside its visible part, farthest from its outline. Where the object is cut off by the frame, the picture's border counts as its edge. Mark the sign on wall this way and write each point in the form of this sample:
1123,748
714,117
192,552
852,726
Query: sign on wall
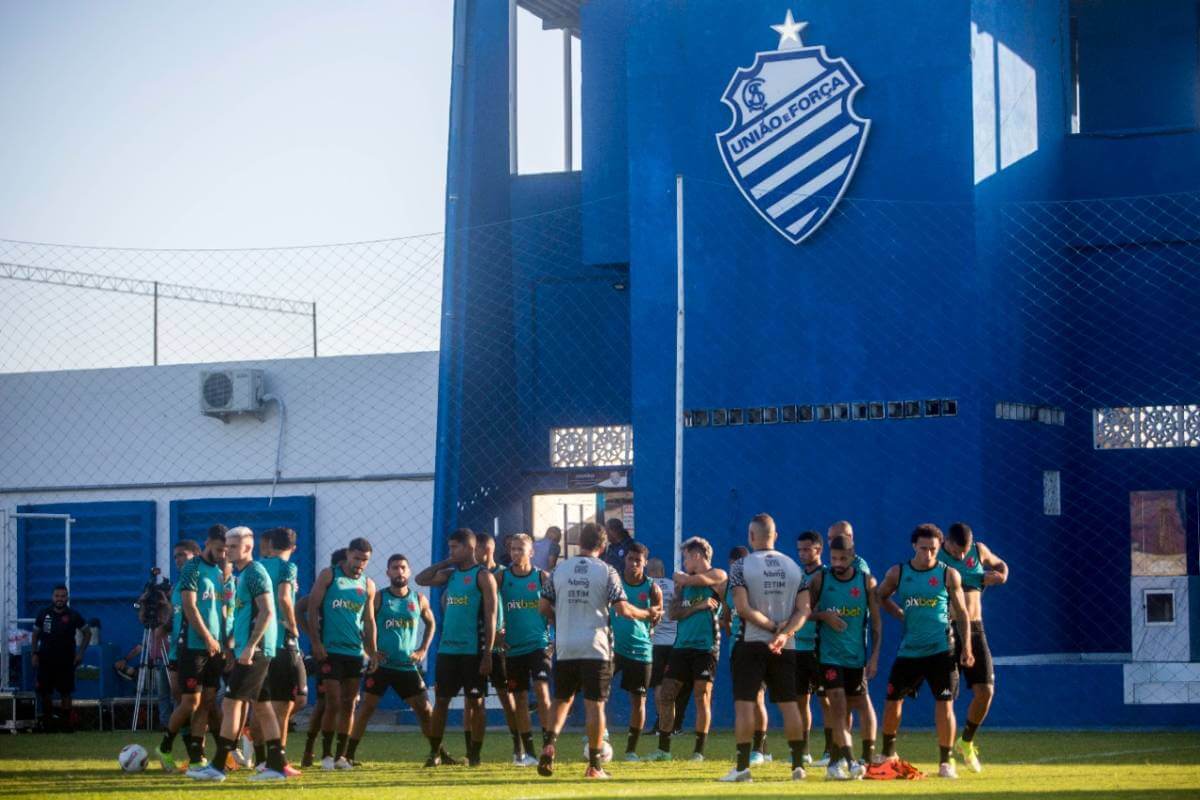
795,140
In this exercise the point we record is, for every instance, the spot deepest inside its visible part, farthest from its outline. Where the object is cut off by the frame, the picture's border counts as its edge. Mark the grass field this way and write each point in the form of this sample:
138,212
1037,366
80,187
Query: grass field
1016,765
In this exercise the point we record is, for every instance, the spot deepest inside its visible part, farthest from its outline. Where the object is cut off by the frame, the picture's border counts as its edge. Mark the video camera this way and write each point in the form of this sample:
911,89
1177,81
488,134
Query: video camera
154,599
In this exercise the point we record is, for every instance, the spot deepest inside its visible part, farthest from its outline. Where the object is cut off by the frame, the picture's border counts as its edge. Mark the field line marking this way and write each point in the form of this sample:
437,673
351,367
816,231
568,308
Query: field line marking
1109,754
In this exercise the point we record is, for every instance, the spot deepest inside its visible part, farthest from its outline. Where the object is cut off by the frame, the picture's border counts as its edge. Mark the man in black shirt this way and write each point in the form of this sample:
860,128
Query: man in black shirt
619,540
55,655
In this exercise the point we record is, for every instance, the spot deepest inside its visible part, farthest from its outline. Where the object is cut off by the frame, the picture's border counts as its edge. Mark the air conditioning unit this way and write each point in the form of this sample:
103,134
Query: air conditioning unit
226,392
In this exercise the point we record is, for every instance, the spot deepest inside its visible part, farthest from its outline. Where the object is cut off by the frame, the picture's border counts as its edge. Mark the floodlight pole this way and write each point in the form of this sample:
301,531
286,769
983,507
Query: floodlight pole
679,332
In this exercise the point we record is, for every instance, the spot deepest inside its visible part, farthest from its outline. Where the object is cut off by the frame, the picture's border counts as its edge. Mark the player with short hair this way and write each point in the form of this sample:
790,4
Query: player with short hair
696,608
485,554
253,646
808,669
399,612
771,598
926,591
342,608
527,639
316,720
287,681
200,641
633,649
183,551
844,600
464,658
731,626
979,568
55,655
577,598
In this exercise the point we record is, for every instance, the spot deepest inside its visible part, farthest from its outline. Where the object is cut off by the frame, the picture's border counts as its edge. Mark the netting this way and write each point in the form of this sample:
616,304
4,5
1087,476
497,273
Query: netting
1030,368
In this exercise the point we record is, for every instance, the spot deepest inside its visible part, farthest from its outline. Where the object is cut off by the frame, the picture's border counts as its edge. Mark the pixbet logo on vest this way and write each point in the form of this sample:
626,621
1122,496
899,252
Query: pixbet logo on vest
794,141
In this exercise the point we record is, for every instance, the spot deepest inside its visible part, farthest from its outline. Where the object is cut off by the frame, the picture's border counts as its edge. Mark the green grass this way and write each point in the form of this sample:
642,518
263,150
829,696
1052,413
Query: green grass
1016,765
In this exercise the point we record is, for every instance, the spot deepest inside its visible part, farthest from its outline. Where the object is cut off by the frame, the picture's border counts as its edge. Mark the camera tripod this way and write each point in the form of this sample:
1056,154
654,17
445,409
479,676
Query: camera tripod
150,659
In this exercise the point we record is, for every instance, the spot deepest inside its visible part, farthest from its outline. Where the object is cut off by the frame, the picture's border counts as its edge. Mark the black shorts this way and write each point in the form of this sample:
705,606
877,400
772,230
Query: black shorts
198,670
248,682
498,677
939,671
688,666
407,682
635,675
56,673
592,676
528,667
851,680
982,671
339,667
808,673
286,677
754,665
662,654
456,673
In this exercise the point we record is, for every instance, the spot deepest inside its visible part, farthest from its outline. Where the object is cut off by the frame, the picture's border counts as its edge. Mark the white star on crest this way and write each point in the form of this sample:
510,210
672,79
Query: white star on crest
789,32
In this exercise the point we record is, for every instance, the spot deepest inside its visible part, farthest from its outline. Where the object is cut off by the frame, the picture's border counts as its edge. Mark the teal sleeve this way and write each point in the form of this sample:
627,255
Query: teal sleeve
189,577
258,582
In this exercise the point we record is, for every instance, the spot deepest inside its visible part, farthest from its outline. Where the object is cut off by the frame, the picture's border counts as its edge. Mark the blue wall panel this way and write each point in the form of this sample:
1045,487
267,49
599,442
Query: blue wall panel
191,519
112,551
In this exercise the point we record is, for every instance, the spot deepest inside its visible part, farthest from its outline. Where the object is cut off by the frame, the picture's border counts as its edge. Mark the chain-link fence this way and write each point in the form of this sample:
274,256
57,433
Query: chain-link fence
1030,368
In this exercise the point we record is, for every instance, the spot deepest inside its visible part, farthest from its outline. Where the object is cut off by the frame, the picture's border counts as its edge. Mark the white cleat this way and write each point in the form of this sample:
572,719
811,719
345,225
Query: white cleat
341,763
756,759
837,771
736,775
632,757
798,774
268,775
525,760
327,763
823,761
946,770
208,773
857,770
697,757
806,760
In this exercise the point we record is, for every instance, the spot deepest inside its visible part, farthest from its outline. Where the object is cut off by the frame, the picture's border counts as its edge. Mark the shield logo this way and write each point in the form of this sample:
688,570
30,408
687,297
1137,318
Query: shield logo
794,141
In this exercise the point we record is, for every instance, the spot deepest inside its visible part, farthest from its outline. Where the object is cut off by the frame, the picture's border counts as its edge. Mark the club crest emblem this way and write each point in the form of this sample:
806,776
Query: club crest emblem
794,141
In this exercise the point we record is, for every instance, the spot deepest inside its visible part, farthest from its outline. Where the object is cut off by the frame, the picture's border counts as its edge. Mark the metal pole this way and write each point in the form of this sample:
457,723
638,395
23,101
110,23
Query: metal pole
512,87
67,554
679,331
156,323
568,102
5,614
314,320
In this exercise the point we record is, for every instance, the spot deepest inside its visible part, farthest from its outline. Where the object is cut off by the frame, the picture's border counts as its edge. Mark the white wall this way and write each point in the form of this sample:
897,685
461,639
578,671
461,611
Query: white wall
137,434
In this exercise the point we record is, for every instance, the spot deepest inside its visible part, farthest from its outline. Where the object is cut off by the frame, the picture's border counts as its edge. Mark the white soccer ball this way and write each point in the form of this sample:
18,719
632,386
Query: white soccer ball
133,758
606,752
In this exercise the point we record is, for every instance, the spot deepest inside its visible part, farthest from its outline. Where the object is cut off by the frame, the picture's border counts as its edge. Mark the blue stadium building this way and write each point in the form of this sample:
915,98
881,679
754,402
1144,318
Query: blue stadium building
940,261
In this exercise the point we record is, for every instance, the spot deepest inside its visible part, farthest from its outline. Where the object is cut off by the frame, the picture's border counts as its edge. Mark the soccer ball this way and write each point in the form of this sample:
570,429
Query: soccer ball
133,758
606,752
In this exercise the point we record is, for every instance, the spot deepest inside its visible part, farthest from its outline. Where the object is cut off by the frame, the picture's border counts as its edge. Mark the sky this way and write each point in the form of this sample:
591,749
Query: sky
222,124
226,125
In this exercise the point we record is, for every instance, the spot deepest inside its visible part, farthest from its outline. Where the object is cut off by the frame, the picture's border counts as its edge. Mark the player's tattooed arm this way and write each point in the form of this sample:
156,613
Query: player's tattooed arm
876,627
996,568
369,627
427,617
713,577
885,590
959,615
435,574
486,582
316,599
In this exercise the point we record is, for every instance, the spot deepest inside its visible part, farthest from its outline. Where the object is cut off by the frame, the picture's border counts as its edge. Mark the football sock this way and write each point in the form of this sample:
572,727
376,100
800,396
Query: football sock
326,744
260,753
664,741
743,756
168,741
527,742
943,755
224,748
352,748
631,743
868,750
700,737
969,731
829,741
889,745
275,755
797,748
516,740
341,745
760,741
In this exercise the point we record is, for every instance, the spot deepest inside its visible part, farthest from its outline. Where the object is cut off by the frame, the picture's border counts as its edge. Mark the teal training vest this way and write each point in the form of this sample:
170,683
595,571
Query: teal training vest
524,626
922,595
342,613
806,636
631,638
252,583
206,580
462,620
970,568
176,619
282,572
397,621
848,598
699,631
